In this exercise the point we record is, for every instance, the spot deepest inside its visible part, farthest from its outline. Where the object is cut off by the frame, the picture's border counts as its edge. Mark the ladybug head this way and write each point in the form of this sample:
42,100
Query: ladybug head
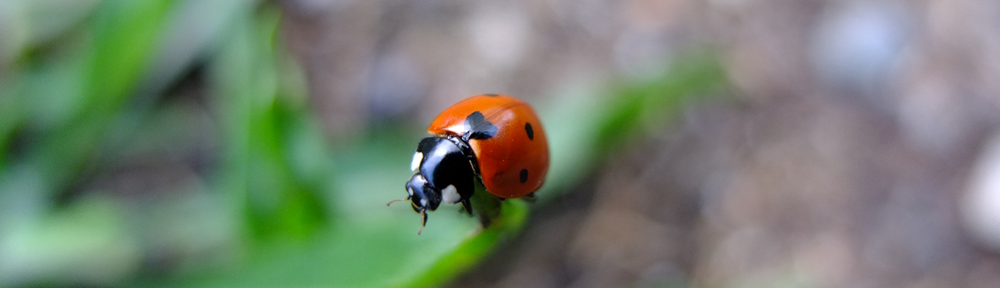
422,195
443,173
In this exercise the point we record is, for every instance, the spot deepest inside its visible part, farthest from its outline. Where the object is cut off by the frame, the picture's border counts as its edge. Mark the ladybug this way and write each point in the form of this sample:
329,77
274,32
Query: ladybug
495,139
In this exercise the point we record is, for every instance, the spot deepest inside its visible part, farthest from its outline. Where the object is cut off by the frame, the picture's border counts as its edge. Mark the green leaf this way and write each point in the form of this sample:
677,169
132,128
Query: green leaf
278,193
85,244
124,37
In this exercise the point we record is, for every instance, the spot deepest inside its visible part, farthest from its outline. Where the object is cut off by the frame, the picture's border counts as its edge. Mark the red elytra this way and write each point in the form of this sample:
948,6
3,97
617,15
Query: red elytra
514,161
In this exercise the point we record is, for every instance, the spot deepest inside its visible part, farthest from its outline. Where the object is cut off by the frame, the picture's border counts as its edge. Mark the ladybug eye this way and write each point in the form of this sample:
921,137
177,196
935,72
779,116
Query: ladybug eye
415,163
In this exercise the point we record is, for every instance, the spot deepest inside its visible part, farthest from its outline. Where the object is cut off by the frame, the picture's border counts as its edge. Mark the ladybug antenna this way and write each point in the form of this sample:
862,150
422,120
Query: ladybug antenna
424,213
397,200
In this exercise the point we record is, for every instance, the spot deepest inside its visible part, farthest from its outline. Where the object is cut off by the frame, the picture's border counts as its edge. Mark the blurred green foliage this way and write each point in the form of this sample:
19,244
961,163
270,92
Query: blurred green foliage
274,158
276,204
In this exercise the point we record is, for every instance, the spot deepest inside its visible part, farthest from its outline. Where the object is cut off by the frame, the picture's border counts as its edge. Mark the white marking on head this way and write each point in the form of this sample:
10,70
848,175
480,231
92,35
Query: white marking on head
450,195
423,202
415,163
409,190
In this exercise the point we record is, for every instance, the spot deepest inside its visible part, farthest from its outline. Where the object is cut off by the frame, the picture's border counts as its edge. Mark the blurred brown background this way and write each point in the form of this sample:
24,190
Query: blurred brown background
853,153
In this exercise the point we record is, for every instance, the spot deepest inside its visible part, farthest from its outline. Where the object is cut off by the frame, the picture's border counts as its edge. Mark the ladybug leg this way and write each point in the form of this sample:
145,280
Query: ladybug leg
468,206
530,198
424,213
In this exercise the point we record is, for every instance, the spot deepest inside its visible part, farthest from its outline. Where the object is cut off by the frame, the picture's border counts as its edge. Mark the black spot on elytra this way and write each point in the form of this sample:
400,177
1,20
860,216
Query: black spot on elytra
491,95
524,175
531,132
479,128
